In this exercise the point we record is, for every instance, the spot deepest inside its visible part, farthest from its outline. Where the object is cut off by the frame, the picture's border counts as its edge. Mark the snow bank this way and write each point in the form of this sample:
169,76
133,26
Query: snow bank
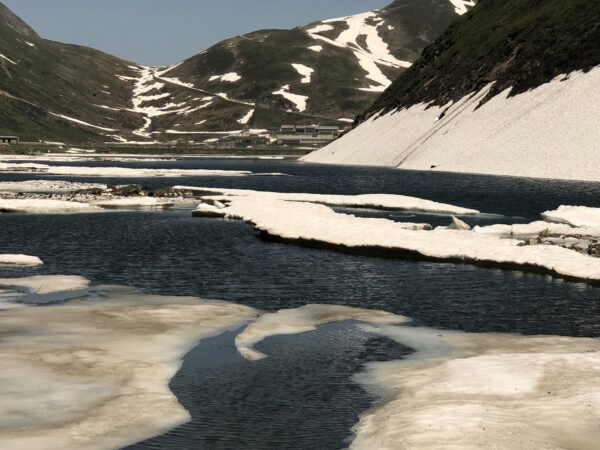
20,260
95,374
300,320
41,206
473,391
577,216
548,132
298,221
118,171
376,201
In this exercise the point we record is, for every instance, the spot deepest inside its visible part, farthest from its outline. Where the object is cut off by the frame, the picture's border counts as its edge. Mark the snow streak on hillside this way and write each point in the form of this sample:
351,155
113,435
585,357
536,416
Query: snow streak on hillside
371,54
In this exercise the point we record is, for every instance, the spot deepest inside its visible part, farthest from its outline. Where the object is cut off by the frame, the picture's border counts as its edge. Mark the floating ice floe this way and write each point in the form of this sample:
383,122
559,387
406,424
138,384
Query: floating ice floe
43,206
300,320
20,260
140,202
577,216
376,201
297,220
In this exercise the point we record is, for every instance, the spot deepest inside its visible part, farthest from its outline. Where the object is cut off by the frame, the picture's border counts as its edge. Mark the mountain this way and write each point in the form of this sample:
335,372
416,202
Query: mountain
328,71
45,87
325,72
509,89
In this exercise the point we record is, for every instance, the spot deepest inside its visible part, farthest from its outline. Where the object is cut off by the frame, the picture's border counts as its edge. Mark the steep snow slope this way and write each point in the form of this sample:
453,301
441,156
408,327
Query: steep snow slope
522,102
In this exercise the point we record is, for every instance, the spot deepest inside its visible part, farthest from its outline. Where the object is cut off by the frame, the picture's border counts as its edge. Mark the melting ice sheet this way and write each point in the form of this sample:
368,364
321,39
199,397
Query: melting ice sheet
461,390
94,373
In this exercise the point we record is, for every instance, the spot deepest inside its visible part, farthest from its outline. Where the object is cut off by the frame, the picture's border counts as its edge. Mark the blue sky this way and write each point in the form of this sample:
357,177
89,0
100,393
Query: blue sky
161,32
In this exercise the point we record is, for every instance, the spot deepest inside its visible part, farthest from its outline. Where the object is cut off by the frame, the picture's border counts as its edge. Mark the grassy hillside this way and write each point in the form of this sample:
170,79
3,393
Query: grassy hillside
518,44
41,77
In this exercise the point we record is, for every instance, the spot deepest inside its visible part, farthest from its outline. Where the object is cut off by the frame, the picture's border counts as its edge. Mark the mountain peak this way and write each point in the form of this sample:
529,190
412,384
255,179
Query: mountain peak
13,21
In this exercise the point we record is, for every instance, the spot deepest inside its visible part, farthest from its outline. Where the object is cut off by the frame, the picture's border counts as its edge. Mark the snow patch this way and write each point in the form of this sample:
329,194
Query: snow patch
305,71
244,120
231,77
299,101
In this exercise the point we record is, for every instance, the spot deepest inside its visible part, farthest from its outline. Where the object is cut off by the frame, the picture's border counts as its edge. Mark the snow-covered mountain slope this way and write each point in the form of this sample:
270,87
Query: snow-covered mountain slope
326,72
522,102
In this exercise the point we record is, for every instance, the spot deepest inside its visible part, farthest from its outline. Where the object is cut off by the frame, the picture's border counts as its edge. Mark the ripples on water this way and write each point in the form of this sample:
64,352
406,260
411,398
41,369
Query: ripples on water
302,396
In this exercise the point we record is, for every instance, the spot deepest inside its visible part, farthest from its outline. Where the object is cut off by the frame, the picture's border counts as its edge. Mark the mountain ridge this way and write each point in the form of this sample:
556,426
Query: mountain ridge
327,72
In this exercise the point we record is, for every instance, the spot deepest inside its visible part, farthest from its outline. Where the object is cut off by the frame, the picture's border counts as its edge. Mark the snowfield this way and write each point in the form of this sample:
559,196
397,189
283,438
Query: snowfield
548,132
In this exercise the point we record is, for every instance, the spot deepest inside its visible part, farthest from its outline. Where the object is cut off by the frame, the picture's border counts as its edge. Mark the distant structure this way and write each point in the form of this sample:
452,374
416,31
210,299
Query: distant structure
7,140
313,135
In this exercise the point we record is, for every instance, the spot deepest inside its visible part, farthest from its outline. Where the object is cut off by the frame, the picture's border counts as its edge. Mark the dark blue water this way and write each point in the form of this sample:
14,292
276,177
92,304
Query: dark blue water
172,253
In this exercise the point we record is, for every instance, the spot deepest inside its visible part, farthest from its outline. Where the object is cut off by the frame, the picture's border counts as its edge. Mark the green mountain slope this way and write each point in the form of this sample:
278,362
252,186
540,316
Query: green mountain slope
326,72
41,78
518,44
351,60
